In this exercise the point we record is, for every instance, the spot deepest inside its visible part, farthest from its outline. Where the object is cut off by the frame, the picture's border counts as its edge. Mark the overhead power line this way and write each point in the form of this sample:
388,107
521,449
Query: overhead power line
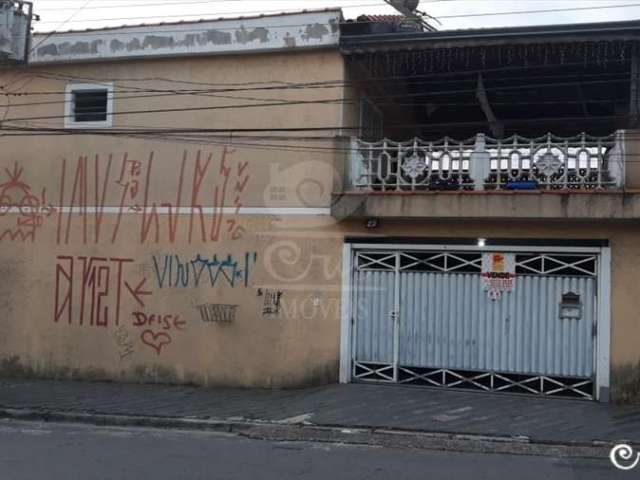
233,131
256,142
65,22
113,4
547,10
124,3
274,84
287,103
465,15
211,94
325,101
279,85
207,14
178,3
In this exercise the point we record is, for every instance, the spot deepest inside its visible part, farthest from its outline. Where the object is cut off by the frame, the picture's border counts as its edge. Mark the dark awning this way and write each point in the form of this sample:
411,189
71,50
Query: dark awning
353,41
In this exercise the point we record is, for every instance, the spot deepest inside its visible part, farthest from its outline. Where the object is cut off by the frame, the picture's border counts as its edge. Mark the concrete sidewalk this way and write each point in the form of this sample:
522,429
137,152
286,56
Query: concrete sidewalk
539,420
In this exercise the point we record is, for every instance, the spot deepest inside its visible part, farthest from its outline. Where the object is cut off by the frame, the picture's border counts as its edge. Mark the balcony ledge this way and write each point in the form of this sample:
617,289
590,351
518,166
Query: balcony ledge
566,205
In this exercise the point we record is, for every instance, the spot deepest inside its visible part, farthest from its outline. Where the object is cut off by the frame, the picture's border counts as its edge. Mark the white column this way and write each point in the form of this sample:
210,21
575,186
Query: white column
355,169
617,160
346,316
480,167
603,328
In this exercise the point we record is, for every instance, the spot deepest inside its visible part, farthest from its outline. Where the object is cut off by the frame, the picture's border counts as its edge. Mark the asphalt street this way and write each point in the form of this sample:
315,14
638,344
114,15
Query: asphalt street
34,451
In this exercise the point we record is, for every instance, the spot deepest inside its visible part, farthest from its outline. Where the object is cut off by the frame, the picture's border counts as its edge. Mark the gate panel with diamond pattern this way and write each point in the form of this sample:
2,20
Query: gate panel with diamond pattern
424,318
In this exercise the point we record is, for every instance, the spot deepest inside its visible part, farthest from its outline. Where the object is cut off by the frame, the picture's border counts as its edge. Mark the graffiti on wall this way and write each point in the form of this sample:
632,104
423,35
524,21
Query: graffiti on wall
173,271
238,185
16,196
87,183
271,301
157,329
90,290
124,342
217,313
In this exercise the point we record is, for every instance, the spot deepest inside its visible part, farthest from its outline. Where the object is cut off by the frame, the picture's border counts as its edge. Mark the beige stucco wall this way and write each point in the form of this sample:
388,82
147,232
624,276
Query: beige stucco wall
51,327
98,230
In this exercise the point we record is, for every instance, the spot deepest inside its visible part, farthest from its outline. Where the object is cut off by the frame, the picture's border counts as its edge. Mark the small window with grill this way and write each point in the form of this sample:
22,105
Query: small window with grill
88,106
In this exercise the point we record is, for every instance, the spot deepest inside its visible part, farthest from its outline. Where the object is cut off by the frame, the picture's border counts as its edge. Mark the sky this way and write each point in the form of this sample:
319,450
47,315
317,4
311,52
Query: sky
61,15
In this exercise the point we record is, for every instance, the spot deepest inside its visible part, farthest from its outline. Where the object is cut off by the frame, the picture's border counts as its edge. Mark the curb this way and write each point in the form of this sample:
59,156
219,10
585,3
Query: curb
306,432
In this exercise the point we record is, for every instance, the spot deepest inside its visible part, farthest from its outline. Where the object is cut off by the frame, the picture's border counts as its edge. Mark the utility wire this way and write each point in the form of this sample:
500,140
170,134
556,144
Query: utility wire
529,121
65,22
211,94
547,10
288,85
151,95
411,79
209,14
233,141
466,15
268,85
346,101
323,101
160,4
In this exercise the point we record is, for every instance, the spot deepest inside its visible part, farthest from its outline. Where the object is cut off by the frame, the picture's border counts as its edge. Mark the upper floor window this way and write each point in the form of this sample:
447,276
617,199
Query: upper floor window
88,105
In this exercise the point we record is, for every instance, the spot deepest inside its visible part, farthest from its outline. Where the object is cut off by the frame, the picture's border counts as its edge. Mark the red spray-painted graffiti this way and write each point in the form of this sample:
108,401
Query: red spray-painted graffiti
16,196
166,323
242,178
135,187
155,340
89,290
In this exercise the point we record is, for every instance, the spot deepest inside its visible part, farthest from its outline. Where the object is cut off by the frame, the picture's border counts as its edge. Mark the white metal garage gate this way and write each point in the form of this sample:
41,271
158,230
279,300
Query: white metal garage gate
421,316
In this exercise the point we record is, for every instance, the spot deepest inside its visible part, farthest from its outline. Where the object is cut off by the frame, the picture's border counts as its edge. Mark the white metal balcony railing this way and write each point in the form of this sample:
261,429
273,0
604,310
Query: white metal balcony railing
483,163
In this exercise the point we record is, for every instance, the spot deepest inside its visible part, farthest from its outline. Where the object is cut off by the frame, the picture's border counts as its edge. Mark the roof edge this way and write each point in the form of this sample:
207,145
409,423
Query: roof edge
598,28
45,33
256,34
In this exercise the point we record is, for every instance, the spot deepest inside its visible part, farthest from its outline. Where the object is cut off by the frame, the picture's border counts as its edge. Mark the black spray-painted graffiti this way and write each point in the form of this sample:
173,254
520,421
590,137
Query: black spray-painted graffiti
173,272
217,313
271,303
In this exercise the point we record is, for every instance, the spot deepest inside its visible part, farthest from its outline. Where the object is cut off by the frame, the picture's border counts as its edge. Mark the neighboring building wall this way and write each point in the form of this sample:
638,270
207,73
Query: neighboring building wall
103,277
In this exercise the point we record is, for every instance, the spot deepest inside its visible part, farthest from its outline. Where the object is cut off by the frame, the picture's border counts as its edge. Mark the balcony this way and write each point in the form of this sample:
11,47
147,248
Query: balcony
483,163
482,178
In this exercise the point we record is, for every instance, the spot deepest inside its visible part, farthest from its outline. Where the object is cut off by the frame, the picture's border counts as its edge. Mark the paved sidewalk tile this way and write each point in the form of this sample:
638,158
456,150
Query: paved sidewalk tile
349,405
